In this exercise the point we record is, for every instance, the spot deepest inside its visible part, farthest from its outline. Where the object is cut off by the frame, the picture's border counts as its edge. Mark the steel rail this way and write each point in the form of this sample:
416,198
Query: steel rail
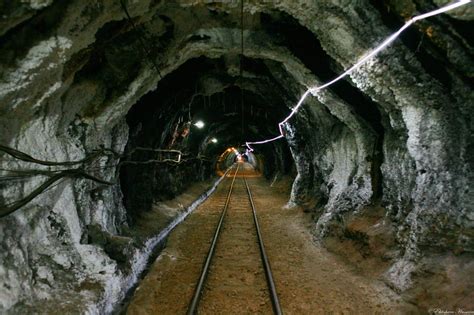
266,264
192,309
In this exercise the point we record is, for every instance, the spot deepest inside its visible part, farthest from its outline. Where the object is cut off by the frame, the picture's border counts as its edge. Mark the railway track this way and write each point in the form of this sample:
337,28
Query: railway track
236,264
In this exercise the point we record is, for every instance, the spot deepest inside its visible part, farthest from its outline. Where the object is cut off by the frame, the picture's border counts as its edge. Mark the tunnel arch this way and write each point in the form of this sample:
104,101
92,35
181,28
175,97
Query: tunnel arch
395,135
212,97
232,155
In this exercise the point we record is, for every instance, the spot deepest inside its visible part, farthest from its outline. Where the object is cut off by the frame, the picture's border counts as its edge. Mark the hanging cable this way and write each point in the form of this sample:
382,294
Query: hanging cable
385,43
140,38
82,170
241,62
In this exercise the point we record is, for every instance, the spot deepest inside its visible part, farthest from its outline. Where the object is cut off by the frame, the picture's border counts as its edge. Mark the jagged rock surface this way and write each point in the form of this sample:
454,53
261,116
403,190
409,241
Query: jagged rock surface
398,132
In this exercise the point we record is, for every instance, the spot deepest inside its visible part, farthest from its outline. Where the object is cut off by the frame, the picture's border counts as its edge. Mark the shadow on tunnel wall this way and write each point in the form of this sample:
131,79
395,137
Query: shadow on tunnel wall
165,119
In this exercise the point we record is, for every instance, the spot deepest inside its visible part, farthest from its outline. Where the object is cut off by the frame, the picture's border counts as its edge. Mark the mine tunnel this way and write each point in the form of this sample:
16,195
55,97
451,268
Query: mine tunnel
236,157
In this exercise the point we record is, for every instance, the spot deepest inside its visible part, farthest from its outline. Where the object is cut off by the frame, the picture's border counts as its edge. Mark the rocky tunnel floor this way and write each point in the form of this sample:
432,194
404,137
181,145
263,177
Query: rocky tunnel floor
309,279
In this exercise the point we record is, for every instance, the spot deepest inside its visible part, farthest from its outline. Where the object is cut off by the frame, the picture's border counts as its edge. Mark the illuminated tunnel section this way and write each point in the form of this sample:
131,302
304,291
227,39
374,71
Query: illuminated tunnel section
232,155
202,119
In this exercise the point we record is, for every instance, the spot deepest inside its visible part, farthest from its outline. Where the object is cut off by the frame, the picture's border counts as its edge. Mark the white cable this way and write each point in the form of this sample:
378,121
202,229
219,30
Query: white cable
379,48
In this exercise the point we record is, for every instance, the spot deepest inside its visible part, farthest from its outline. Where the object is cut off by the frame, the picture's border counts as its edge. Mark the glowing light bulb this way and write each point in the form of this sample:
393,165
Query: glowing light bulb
199,124
214,140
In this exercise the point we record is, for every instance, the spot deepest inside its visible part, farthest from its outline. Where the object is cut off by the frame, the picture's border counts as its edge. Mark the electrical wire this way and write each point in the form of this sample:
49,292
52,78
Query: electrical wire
140,38
56,176
315,89
28,158
72,173
241,63
60,175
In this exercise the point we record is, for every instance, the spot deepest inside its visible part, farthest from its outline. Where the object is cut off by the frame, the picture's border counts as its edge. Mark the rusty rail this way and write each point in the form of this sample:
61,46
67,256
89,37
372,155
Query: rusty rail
192,309
193,306
266,264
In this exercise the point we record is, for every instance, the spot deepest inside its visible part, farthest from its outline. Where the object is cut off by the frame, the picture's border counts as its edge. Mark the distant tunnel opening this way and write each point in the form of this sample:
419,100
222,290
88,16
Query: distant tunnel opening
233,155
201,117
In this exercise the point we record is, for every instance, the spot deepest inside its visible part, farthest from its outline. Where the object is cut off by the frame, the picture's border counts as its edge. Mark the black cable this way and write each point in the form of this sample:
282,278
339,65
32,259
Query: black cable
241,62
56,176
73,173
140,38
28,158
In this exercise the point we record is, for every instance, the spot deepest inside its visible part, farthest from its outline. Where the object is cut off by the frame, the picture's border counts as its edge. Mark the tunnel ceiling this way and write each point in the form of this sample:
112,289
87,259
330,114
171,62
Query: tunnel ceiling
95,51
213,96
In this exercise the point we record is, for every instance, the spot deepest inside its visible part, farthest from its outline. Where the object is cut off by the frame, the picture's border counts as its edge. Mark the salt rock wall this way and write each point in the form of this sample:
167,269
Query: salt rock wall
397,133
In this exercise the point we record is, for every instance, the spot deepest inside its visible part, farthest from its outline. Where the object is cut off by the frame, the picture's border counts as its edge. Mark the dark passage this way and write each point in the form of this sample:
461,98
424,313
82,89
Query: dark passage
119,121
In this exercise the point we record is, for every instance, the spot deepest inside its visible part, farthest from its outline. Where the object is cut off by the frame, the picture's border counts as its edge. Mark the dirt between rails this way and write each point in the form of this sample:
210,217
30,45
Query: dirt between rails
309,280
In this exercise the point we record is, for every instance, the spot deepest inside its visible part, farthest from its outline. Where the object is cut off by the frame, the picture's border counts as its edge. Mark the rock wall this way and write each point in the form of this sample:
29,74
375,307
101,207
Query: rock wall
398,132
